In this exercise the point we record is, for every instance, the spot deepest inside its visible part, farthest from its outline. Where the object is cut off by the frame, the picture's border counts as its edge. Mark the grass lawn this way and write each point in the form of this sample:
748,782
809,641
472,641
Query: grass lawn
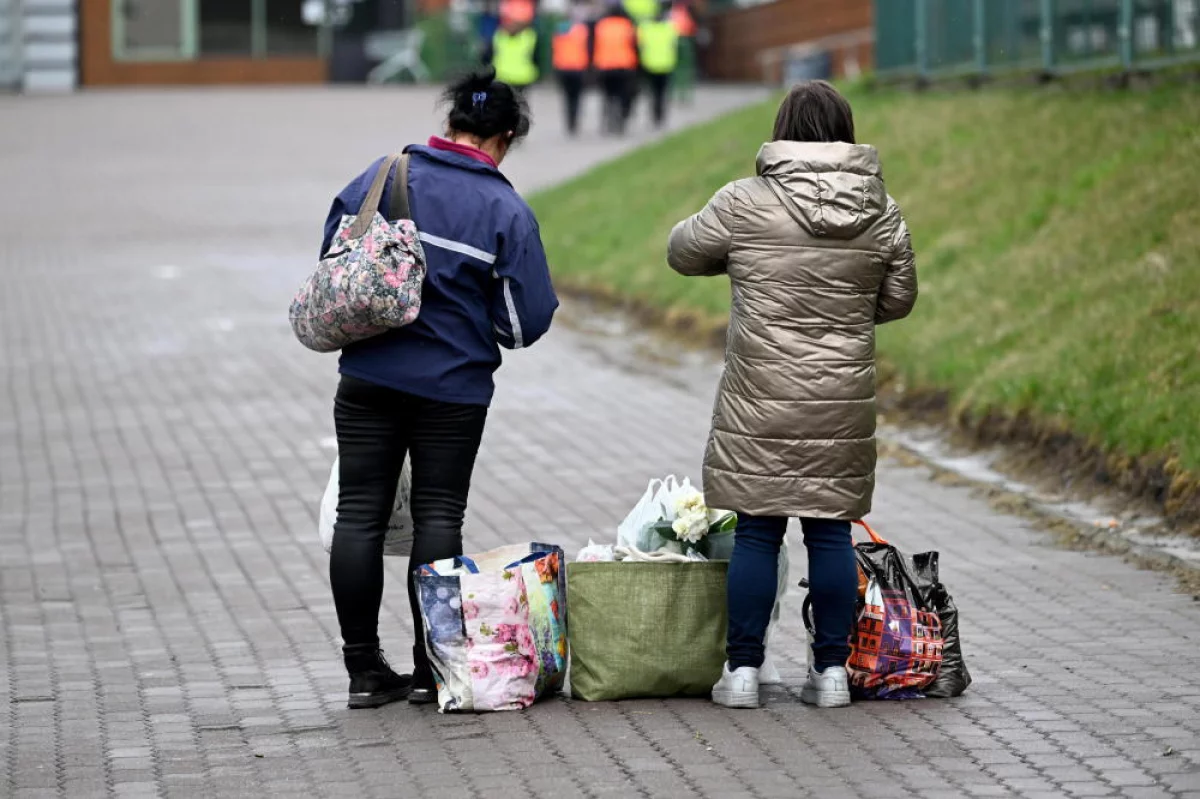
1057,237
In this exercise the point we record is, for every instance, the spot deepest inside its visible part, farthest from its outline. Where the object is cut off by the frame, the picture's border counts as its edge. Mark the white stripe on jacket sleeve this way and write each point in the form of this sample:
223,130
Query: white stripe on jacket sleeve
458,247
513,319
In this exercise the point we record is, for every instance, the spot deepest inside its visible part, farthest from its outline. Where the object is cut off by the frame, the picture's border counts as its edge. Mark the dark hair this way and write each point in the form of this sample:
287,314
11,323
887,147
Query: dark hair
482,106
814,111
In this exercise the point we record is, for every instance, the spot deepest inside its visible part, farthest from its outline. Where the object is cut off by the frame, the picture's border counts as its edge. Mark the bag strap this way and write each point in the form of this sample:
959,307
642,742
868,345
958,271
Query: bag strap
902,561
905,571
876,537
370,203
532,557
398,207
469,564
632,554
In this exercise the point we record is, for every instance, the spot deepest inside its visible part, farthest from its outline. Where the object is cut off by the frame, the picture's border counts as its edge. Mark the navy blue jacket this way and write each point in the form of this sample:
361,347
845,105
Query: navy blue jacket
488,283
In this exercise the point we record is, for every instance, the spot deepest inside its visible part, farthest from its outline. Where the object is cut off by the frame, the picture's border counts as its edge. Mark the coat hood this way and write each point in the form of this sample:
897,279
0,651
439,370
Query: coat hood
833,190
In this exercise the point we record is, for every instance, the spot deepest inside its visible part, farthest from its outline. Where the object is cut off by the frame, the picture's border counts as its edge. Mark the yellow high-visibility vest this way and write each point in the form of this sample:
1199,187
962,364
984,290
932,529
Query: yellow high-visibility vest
658,45
641,10
514,58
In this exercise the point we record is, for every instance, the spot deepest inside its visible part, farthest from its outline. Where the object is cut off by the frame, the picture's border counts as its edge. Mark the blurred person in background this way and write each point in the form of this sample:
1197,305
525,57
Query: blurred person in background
640,10
423,391
518,12
818,256
514,51
615,58
572,58
489,23
658,50
685,73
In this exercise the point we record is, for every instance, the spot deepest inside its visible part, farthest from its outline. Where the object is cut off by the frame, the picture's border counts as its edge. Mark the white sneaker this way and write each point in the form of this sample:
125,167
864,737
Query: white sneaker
737,688
830,688
768,674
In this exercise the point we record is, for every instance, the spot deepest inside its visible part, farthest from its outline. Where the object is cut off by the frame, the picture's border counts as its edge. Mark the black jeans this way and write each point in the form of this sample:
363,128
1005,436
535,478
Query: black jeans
376,428
658,96
618,86
753,580
572,88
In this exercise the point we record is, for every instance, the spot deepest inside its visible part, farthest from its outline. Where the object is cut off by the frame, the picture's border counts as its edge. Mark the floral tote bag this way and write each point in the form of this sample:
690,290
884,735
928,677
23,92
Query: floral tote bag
370,280
495,627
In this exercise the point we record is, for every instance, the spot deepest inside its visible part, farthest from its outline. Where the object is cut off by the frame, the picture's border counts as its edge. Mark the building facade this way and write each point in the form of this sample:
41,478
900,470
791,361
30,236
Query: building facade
201,41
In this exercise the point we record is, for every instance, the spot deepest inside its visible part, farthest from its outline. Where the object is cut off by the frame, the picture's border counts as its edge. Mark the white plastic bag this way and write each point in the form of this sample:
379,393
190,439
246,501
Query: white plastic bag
671,488
671,492
595,553
657,503
633,531
399,538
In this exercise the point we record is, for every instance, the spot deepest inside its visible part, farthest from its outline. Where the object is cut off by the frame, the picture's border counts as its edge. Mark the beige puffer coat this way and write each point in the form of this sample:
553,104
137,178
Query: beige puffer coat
818,255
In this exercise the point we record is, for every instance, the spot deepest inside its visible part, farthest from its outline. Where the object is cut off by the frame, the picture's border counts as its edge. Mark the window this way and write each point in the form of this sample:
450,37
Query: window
174,30
151,30
226,28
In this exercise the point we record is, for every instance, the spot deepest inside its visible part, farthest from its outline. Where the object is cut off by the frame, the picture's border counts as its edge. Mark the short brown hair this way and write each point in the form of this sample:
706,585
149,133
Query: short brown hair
814,111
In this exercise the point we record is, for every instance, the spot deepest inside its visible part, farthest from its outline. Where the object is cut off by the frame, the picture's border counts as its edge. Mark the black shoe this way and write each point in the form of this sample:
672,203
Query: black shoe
372,681
424,688
422,695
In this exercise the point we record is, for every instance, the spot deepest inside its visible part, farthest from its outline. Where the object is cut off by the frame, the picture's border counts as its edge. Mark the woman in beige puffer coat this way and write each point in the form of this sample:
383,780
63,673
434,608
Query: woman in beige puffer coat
817,254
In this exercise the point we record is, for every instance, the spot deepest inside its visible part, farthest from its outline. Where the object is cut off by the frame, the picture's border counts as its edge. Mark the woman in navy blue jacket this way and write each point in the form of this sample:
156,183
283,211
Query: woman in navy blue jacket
423,391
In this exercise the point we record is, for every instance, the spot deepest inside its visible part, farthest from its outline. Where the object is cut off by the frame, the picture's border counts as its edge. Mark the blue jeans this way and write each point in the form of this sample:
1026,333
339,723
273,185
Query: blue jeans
754,579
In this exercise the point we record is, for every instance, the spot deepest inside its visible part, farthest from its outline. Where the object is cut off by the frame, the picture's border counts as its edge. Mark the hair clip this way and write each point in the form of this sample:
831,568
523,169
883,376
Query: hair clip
478,99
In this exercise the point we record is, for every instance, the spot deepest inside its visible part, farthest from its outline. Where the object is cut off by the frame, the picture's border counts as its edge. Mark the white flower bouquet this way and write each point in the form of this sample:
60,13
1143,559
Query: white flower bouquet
695,526
671,517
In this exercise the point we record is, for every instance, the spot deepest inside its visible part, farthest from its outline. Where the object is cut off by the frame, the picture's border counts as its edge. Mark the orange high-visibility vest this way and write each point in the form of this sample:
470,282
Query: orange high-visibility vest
571,49
685,23
616,44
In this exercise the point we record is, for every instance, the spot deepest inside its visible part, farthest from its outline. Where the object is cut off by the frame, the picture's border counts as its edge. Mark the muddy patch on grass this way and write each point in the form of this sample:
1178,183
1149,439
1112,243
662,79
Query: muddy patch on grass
1054,459
1104,521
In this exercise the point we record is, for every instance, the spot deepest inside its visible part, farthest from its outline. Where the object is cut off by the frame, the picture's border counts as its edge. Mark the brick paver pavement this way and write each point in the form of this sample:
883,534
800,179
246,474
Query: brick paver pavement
167,626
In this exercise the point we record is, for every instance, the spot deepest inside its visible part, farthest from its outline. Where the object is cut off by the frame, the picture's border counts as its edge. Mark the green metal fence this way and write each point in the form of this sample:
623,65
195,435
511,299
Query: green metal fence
946,38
